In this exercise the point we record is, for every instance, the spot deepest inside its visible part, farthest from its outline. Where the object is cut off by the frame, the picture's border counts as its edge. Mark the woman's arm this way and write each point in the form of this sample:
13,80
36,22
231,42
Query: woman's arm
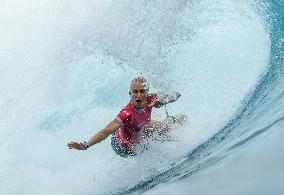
165,100
98,137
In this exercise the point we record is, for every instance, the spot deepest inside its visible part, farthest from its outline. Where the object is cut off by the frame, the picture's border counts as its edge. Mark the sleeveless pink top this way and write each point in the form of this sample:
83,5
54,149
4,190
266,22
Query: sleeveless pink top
131,121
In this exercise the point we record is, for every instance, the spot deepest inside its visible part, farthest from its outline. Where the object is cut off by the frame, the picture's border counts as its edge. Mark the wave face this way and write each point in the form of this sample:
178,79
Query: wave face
65,72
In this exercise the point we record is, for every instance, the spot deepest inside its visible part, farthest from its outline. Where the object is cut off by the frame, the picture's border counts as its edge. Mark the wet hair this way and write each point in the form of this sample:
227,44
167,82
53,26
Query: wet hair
142,80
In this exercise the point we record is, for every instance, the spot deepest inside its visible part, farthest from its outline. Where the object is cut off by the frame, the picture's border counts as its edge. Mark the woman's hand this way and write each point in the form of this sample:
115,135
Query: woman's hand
172,98
78,145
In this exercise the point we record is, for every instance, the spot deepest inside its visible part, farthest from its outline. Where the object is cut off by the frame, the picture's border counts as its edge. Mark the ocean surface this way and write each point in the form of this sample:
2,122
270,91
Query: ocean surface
65,70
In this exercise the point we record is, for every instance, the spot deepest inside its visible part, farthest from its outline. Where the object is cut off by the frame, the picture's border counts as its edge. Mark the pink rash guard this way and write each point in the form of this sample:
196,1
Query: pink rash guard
132,120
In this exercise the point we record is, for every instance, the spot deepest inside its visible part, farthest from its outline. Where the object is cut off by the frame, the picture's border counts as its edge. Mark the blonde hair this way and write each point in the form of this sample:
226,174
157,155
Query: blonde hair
142,80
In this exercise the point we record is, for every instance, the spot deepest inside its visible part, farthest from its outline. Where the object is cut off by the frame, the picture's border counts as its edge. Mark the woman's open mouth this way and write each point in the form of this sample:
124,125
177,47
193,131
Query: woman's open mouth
138,101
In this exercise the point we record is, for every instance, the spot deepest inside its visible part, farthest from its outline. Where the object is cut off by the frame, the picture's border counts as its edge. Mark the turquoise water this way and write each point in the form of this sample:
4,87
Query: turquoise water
65,72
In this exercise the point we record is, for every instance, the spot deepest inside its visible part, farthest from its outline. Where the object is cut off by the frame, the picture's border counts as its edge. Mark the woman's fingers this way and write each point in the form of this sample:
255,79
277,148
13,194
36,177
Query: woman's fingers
77,145
74,145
